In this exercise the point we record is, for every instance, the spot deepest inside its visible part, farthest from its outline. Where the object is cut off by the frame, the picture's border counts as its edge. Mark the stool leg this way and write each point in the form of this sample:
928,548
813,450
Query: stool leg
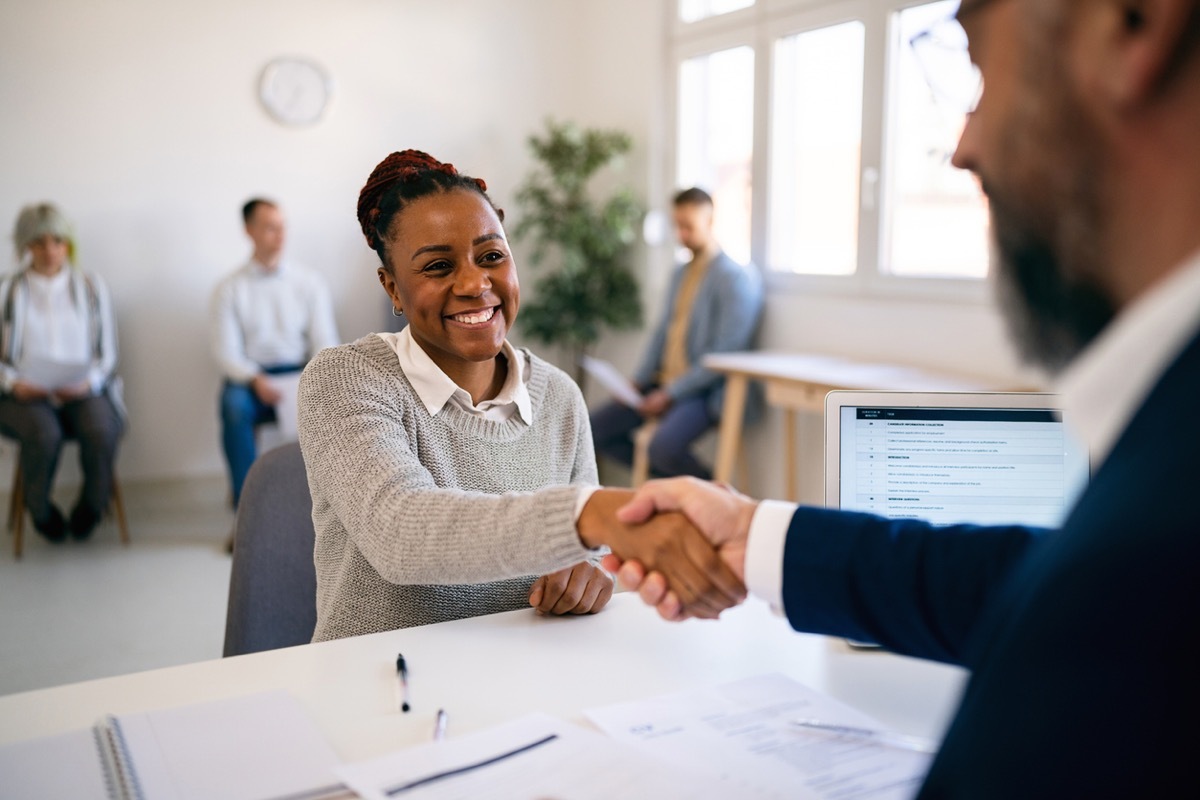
641,453
118,506
791,468
16,511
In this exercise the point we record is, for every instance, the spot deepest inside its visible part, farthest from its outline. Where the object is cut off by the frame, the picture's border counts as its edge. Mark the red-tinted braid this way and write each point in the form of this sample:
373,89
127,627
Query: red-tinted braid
401,167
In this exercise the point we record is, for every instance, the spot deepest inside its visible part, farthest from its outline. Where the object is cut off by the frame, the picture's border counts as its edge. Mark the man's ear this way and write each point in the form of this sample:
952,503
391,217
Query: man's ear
1144,47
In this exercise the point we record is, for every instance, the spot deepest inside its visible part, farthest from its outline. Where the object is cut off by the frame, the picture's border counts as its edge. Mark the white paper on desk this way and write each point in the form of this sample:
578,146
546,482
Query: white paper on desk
611,379
286,411
743,730
66,765
241,748
534,756
52,374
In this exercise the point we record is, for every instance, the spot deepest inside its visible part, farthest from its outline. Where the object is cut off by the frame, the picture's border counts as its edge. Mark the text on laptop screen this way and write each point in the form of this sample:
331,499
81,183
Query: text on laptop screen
949,465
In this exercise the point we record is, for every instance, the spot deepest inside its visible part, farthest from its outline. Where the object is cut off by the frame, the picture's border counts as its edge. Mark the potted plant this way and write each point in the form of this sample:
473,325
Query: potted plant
582,244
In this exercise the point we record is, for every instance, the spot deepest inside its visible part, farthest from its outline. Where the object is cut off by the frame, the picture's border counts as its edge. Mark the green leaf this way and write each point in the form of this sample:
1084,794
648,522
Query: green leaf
580,244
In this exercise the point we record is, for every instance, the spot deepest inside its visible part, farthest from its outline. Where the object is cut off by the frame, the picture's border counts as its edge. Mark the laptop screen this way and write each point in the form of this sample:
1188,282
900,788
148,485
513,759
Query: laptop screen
952,465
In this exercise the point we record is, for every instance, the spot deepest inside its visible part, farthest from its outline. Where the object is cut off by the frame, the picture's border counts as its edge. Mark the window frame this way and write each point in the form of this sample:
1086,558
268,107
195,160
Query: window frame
760,27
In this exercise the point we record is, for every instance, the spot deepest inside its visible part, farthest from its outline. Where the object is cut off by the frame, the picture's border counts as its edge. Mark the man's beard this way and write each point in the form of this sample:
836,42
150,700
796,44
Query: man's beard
1047,213
1050,316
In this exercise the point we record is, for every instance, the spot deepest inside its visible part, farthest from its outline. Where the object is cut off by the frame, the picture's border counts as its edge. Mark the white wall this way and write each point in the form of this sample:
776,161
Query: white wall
140,119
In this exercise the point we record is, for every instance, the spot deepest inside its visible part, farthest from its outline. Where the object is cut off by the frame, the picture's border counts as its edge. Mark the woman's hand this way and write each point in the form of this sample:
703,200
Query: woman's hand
66,394
28,392
581,589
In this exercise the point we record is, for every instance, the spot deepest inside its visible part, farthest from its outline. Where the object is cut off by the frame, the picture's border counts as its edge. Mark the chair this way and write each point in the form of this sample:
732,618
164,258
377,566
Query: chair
273,584
16,507
640,471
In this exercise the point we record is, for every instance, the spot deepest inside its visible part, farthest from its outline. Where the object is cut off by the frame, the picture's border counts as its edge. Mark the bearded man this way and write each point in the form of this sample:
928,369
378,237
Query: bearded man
1086,139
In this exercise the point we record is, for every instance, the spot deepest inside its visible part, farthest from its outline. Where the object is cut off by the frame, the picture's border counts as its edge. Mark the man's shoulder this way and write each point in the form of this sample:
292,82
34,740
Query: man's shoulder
231,278
1152,464
725,264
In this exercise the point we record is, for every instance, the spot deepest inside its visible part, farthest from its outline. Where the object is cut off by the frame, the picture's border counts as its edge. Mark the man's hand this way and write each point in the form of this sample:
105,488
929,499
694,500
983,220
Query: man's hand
265,391
721,514
25,392
65,394
581,589
655,404
702,583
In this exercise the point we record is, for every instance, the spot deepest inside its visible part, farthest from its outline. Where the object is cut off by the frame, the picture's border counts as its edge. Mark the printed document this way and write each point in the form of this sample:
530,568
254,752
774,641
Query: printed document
535,756
611,379
52,374
745,730
286,410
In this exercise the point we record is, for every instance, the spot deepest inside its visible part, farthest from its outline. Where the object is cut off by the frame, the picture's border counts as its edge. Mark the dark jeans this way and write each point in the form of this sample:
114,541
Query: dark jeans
670,449
40,429
241,413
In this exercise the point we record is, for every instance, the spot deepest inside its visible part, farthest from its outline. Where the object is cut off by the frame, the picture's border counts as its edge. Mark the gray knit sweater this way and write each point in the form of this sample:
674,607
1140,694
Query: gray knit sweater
421,518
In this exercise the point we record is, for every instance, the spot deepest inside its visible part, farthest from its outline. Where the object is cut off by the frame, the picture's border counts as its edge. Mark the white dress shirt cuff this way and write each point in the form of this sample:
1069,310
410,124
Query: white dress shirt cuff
764,551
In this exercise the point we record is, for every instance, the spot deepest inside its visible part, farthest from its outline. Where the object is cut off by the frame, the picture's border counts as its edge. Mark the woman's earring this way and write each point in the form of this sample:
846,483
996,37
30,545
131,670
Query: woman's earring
396,312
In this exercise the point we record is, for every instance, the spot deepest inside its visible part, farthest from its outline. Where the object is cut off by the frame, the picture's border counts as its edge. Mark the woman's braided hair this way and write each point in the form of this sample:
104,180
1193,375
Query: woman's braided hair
398,180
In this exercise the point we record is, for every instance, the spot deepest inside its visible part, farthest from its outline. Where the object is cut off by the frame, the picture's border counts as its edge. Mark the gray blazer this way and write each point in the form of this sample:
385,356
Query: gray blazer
725,318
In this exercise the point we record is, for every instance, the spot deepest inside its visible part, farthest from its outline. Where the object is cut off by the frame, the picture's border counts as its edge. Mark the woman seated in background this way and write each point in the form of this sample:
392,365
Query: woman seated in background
58,350
448,469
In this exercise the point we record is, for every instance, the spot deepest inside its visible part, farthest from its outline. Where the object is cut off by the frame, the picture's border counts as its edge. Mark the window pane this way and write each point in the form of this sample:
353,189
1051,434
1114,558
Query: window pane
936,218
716,139
816,151
692,10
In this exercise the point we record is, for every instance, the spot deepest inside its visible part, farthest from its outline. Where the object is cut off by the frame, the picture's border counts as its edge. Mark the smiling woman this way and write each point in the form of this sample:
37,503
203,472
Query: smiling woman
447,467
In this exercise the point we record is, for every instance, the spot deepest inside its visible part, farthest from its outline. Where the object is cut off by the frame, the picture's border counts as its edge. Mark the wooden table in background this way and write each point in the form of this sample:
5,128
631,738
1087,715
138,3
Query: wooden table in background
798,382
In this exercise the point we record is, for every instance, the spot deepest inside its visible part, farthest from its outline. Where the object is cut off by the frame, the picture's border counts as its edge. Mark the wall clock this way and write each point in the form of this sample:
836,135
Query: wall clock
295,91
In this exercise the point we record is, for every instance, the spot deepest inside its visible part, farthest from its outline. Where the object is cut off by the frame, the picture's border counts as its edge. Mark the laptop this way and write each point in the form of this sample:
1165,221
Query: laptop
978,457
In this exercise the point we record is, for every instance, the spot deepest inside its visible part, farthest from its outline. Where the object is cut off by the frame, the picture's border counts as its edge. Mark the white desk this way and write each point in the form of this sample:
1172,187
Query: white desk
490,669
798,382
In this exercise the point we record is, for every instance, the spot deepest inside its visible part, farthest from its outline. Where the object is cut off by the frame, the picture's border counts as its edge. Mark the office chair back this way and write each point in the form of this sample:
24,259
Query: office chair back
273,585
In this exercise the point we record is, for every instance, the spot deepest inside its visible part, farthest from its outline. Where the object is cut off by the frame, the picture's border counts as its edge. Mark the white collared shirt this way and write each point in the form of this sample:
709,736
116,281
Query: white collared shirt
56,329
270,317
1106,385
1101,390
435,388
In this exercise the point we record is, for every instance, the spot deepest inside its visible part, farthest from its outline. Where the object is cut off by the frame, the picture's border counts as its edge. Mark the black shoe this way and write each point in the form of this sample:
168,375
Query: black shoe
53,527
83,521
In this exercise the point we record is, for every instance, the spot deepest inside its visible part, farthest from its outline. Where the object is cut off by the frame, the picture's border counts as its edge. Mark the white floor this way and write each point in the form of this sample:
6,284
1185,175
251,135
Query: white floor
77,611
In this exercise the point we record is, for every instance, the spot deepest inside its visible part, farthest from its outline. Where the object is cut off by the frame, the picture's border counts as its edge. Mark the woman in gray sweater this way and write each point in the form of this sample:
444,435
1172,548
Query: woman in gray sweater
448,469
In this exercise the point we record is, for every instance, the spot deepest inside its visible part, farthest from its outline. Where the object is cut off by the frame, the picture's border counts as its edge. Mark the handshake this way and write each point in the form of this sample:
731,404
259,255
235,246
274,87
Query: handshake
680,542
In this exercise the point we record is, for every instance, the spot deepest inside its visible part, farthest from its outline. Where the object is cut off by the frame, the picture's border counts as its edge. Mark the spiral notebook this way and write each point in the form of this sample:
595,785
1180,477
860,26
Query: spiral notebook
257,747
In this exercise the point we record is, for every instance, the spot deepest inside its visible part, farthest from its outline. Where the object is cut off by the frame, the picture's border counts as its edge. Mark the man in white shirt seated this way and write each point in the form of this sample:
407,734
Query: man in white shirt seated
268,318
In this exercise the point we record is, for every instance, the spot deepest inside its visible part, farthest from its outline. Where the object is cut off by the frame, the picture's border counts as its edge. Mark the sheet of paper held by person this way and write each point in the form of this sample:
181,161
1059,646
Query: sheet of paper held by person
52,374
534,756
286,410
775,736
611,379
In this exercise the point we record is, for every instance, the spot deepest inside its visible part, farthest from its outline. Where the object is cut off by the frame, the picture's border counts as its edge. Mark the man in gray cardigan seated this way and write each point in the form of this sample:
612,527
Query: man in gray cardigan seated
713,306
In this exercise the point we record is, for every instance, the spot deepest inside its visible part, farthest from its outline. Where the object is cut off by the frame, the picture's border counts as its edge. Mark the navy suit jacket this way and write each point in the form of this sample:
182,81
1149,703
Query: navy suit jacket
1080,641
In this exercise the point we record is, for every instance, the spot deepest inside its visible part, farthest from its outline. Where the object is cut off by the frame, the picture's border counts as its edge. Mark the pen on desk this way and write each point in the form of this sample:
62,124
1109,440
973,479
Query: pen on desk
402,676
439,726
896,740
